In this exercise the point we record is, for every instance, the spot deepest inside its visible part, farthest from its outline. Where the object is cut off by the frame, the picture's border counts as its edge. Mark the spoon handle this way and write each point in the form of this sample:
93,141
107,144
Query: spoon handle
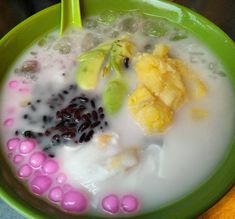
70,15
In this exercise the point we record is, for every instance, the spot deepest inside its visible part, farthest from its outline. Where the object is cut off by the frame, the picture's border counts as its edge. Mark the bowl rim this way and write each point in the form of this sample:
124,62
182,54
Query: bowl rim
217,178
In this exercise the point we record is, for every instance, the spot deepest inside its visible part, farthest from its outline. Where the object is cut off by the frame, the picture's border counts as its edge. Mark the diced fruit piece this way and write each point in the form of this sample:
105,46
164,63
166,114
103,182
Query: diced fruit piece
114,95
197,88
198,114
200,89
103,140
152,115
155,117
148,74
161,51
139,98
162,90
90,65
173,93
24,103
162,76
120,49
125,160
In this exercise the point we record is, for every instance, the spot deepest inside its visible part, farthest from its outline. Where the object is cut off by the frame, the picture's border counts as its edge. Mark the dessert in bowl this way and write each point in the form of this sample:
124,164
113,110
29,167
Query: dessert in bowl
132,116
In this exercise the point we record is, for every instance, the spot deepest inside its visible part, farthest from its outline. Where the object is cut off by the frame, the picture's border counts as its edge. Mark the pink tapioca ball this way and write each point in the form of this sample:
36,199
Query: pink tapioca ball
13,84
129,203
13,143
61,178
50,166
25,171
27,146
18,159
56,194
40,184
8,122
37,159
110,204
74,201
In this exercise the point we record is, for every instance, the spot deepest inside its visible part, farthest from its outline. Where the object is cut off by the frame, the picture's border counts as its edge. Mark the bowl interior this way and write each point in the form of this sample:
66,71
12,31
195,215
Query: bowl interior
25,34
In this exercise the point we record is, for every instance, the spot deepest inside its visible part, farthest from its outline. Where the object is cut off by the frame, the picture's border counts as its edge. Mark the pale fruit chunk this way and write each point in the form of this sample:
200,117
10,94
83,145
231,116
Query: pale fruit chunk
198,114
152,115
104,140
163,76
173,93
139,98
155,117
148,73
125,160
161,51
163,90
200,89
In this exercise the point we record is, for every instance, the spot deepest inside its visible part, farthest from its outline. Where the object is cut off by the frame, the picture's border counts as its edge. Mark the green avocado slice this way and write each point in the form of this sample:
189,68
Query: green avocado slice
116,89
114,95
90,64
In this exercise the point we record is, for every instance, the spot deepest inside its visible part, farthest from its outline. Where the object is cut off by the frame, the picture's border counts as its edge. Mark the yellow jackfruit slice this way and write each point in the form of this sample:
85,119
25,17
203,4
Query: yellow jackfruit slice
163,90
149,112
198,114
162,76
200,89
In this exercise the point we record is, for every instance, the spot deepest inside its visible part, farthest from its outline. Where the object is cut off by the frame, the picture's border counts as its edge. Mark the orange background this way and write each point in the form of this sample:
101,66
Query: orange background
224,209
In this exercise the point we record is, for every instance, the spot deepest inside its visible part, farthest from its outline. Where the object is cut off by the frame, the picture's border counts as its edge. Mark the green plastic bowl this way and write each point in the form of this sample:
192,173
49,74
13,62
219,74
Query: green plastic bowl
25,34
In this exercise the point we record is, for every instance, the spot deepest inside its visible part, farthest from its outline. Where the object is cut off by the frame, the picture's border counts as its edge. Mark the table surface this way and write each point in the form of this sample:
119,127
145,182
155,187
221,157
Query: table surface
221,12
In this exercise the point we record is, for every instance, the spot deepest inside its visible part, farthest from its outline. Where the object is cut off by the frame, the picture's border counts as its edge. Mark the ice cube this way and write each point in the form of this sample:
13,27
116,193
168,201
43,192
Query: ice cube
108,17
90,23
154,28
129,24
63,45
89,41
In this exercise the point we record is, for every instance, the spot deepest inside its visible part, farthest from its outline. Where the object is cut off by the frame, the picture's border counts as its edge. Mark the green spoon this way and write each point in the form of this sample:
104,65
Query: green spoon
70,15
